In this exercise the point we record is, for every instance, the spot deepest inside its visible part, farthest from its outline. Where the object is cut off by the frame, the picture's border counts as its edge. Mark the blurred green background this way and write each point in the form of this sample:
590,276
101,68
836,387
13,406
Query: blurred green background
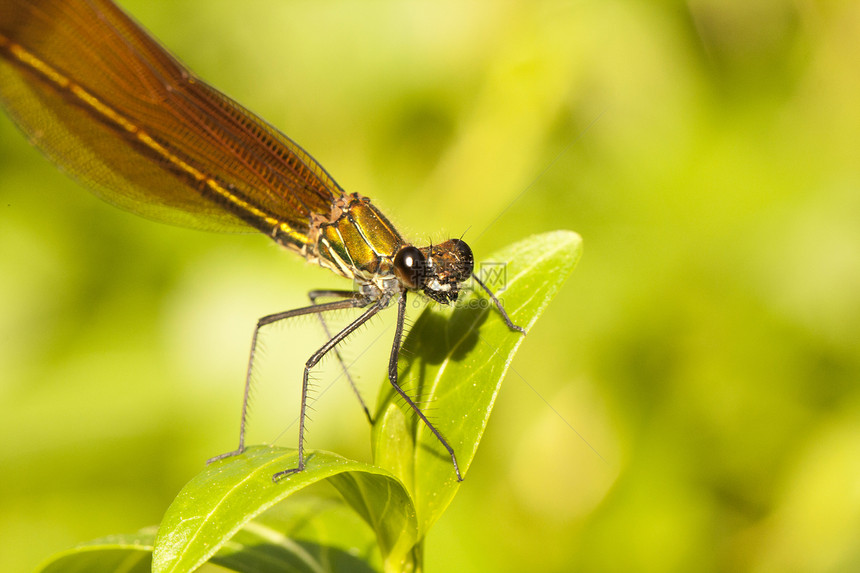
689,401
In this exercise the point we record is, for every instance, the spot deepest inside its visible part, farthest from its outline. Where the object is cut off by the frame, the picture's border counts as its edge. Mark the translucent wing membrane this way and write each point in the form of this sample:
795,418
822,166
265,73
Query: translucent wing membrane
113,108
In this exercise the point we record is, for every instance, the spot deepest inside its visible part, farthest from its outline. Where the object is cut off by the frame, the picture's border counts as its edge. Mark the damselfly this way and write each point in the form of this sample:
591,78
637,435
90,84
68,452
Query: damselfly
103,100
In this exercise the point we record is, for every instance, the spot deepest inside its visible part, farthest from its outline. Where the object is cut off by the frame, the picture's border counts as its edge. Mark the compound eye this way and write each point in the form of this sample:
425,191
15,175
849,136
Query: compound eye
464,255
410,266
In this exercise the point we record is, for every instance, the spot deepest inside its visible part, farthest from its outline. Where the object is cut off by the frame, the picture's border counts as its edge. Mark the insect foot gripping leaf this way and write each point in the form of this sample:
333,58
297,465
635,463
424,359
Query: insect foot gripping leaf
457,363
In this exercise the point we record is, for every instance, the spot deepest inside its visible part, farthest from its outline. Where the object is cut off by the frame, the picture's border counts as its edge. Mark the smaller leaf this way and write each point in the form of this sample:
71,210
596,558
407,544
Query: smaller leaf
381,503
304,534
219,501
115,554
309,534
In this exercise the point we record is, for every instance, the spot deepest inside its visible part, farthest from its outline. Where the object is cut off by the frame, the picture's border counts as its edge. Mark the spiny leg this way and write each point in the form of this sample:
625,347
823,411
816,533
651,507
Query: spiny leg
266,320
312,361
392,378
314,295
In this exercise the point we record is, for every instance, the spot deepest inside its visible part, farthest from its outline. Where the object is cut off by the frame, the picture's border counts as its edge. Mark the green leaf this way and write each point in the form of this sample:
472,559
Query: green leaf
306,535
456,362
219,501
113,554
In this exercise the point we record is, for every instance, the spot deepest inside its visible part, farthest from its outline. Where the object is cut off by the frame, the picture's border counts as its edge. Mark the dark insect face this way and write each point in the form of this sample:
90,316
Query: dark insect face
448,265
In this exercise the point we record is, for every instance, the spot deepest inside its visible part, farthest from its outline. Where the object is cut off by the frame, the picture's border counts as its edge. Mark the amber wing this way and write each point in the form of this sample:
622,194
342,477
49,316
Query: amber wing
106,102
